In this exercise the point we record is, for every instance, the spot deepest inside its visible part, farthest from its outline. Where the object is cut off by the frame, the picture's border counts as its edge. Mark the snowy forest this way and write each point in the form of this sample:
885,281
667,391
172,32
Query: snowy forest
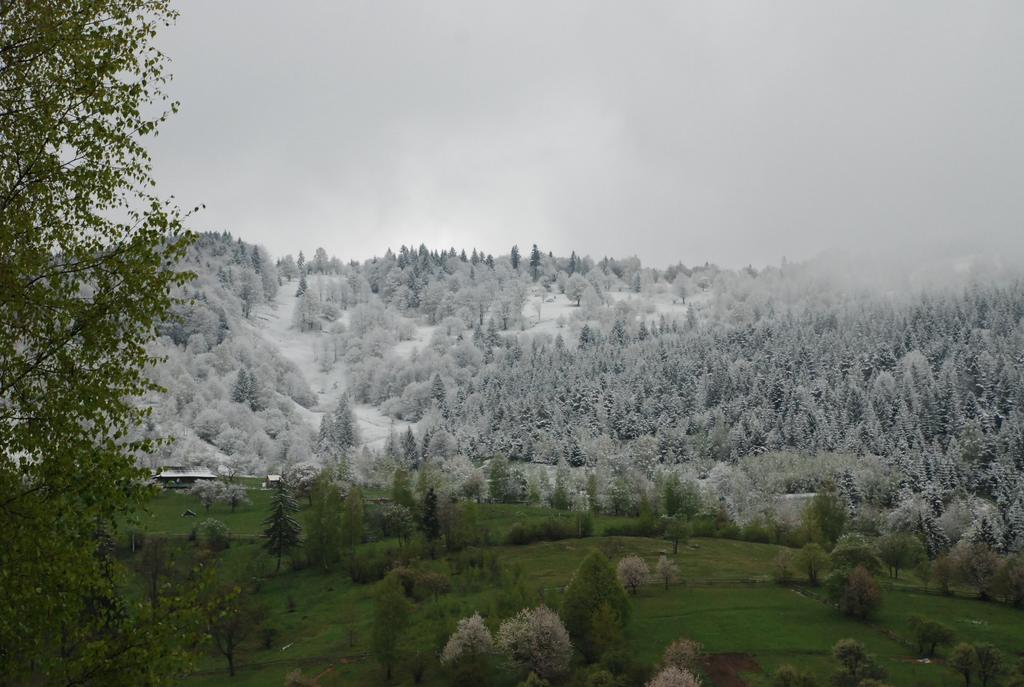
602,380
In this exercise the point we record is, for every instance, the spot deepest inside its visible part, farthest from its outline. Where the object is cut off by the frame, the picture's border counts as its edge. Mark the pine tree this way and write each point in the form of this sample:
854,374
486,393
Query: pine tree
283,531
302,282
429,521
346,431
242,389
535,262
514,257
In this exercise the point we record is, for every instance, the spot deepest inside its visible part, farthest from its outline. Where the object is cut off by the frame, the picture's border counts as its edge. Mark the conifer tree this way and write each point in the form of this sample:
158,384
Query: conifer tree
535,262
283,531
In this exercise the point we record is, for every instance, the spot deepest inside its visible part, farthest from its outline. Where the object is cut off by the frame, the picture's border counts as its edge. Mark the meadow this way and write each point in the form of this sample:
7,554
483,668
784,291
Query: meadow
726,599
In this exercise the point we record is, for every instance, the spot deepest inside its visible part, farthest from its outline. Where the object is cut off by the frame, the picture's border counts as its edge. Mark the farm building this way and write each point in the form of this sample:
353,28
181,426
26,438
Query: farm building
176,477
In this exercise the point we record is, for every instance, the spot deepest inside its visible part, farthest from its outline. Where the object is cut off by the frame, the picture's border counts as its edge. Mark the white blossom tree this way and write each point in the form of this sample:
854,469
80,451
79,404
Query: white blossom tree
536,640
633,572
667,570
470,639
674,677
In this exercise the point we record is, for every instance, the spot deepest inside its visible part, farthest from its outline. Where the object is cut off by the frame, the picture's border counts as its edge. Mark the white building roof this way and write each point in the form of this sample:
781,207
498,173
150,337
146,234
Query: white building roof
185,473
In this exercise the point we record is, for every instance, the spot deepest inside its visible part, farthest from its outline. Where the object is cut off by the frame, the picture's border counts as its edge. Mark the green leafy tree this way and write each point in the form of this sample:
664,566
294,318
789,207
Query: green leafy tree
855,664
498,476
964,660
391,613
855,593
323,524
401,489
991,663
233,618
900,551
352,520
283,531
813,560
593,584
825,516
677,531
88,258
929,635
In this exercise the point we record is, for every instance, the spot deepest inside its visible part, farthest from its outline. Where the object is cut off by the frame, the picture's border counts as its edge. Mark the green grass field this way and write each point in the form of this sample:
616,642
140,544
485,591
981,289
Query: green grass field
726,601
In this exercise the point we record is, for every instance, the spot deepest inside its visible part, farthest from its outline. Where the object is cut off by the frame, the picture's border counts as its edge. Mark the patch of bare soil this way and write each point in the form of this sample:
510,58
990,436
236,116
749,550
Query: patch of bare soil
724,669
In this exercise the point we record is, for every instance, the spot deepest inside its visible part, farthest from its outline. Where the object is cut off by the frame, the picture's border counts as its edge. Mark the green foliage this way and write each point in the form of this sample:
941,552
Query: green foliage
855,593
498,477
855,664
323,525
825,516
788,676
430,523
929,635
677,531
900,551
964,660
550,529
401,489
352,520
991,663
87,267
854,550
391,613
283,532
594,589
214,534
813,560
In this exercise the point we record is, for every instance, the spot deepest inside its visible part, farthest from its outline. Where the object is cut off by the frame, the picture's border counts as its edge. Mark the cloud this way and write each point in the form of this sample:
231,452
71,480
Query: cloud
731,132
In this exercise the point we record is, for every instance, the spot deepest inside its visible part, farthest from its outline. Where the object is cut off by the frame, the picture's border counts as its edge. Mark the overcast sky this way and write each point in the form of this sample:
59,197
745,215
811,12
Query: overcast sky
736,132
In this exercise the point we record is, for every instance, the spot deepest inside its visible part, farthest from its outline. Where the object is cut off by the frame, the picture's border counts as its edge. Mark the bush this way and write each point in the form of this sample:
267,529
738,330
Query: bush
549,529
365,567
638,527
855,593
422,584
929,634
214,535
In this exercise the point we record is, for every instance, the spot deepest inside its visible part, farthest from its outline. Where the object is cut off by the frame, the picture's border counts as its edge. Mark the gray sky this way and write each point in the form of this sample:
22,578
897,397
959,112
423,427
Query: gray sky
727,131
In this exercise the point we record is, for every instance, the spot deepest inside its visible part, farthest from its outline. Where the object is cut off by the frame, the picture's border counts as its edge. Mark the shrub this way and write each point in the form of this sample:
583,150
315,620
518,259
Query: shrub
365,567
549,529
856,664
788,676
929,635
857,594
214,534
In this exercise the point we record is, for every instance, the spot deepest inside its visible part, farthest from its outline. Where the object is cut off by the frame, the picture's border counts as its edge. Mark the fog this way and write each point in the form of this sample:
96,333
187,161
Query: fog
732,132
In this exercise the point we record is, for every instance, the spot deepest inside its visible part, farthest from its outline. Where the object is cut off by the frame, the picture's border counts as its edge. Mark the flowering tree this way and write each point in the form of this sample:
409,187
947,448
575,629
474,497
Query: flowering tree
536,640
682,654
207,491
471,638
666,570
674,677
633,572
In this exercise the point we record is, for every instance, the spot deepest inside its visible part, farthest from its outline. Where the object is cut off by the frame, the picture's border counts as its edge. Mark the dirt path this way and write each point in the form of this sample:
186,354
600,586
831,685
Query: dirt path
724,669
